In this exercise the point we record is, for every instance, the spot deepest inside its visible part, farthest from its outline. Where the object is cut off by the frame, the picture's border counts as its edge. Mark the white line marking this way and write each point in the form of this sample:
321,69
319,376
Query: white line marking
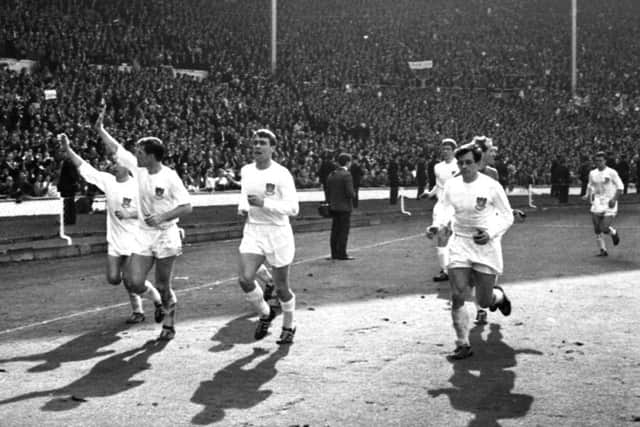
194,288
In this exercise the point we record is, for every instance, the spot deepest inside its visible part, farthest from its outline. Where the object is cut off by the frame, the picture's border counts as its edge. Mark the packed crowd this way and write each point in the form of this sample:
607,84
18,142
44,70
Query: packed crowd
501,68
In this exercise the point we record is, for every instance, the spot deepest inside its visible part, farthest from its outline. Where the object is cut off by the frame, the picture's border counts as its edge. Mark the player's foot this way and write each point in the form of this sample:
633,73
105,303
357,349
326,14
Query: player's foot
286,337
603,252
616,238
135,318
158,315
481,317
461,352
505,305
442,277
263,324
167,334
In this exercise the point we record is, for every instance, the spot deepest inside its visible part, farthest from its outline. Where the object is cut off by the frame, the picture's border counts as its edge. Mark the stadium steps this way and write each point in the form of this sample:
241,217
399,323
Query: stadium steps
88,240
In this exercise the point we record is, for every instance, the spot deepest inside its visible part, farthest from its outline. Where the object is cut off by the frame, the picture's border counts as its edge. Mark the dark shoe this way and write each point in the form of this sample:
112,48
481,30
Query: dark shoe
442,277
262,329
158,315
481,317
167,334
135,318
461,352
346,258
615,238
603,253
286,337
505,305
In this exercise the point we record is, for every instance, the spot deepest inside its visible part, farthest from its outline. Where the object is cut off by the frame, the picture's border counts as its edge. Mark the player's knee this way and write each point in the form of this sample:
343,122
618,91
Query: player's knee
247,285
457,300
284,293
113,278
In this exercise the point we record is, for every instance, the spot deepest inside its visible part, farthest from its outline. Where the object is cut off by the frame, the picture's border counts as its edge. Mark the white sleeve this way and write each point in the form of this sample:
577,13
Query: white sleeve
615,177
126,159
445,212
94,176
288,205
179,192
504,218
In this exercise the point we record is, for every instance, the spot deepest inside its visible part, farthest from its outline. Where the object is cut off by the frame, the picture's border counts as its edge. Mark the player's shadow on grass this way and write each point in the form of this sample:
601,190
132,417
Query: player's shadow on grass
108,377
487,395
236,387
83,347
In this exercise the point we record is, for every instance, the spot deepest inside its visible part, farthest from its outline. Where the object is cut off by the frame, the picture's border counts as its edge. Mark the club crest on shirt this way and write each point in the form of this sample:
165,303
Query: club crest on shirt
607,179
270,189
159,192
481,203
126,202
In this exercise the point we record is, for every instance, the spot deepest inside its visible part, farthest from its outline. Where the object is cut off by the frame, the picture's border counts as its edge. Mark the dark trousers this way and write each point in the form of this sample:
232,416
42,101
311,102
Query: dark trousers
354,201
393,195
69,213
583,187
421,188
340,223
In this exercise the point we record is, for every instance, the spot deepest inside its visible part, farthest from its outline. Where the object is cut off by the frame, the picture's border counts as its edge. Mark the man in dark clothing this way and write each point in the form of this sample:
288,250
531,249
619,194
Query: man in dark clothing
340,196
624,170
326,167
356,174
68,186
563,179
393,174
583,172
431,173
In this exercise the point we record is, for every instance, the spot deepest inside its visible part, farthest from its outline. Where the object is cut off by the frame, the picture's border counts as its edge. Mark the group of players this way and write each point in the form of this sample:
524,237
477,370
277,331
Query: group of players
145,200
471,215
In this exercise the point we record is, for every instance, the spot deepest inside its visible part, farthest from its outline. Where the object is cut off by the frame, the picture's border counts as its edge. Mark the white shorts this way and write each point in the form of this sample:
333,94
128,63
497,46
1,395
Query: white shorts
275,242
600,206
158,243
465,253
117,249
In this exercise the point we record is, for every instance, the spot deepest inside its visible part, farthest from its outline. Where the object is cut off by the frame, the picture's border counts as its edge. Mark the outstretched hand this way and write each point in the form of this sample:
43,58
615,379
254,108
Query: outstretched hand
101,113
64,141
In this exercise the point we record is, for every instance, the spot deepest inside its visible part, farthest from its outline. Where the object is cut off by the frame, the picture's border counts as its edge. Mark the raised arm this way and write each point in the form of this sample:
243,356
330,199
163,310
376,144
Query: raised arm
123,157
88,172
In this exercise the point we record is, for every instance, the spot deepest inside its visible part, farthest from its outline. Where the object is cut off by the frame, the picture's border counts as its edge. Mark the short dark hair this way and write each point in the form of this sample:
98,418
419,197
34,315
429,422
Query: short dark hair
471,147
154,146
600,154
344,158
267,134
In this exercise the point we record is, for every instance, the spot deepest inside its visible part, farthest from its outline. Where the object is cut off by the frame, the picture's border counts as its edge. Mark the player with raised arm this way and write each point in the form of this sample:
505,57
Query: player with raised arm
163,200
121,194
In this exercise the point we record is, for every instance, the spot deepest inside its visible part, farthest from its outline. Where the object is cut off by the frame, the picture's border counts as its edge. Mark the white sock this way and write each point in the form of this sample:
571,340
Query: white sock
600,240
498,296
136,302
288,309
152,293
443,258
461,325
256,298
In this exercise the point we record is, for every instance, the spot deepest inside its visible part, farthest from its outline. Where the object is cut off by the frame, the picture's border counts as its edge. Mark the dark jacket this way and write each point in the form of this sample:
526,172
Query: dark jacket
340,186
68,182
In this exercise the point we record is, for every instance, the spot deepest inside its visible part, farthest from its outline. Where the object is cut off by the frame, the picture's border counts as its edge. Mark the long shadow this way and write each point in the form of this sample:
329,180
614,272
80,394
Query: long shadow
488,395
236,387
83,347
236,331
108,377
